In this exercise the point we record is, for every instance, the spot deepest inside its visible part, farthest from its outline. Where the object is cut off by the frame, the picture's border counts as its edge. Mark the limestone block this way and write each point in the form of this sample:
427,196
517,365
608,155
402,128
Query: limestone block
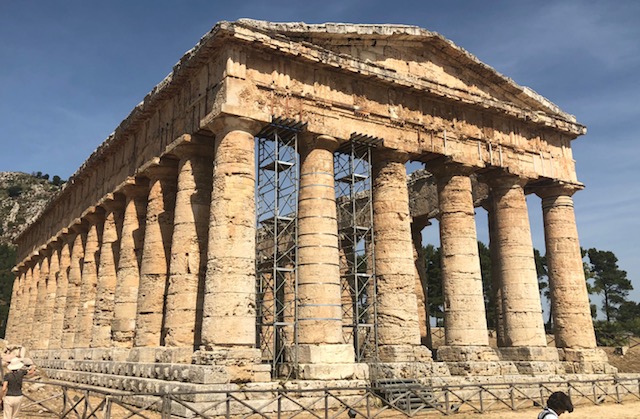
467,353
583,355
332,371
482,368
528,353
325,354
404,353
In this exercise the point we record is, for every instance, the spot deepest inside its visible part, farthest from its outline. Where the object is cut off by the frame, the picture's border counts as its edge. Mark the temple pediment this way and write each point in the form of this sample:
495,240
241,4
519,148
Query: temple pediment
406,56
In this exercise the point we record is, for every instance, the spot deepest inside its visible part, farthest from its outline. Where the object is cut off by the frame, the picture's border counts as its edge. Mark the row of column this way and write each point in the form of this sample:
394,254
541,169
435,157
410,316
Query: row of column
169,259
520,322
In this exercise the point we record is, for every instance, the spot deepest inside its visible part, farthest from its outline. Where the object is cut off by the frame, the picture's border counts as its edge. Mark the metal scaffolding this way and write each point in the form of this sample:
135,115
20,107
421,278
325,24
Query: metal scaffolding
276,243
352,168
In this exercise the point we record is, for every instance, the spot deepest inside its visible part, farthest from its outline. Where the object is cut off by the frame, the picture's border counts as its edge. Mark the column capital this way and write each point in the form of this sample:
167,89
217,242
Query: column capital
78,226
503,180
189,149
391,155
94,215
135,187
160,169
225,124
312,141
113,202
555,189
55,243
442,168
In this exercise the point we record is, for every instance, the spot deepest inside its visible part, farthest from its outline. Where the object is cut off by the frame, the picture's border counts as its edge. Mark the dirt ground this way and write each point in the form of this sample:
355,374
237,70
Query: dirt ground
629,410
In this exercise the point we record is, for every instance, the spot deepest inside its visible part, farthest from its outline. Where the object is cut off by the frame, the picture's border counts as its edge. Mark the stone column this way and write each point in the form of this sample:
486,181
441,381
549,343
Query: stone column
107,271
320,339
50,295
496,281
14,308
26,320
87,300
31,326
466,334
522,310
572,321
59,308
183,320
70,324
40,307
230,290
422,290
154,268
398,328
123,327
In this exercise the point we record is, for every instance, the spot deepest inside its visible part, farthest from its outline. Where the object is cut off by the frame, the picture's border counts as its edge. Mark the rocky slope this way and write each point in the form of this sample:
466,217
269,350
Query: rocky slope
22,197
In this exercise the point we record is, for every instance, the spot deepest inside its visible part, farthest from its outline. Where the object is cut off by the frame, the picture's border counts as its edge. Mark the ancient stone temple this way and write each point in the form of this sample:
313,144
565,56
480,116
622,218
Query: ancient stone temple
251,220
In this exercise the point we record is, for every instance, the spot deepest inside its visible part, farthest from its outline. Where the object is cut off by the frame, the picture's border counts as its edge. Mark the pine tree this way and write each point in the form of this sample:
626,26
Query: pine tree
609,281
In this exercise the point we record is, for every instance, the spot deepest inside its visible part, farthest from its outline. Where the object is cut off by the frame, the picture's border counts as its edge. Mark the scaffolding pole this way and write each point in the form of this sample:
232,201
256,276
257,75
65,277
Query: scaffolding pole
352,167
276,244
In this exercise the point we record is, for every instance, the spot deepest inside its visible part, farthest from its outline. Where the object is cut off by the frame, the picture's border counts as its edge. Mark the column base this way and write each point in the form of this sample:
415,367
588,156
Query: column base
407,370
242,364
474,361
326,362
467,353
482,368
174,355
340,353
404,353
529,353
533,360
586,361
339,371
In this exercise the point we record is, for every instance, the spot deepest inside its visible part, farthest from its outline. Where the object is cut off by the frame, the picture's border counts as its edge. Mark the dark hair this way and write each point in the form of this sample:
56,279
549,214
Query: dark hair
560,401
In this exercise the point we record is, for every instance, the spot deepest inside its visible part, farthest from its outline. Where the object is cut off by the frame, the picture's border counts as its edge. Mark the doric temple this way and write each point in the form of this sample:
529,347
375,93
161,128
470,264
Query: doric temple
252,221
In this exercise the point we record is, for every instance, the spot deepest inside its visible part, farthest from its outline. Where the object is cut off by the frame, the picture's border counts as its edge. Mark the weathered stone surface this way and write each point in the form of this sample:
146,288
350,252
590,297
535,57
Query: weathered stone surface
178,266
128,276
154,266
571,309
185,291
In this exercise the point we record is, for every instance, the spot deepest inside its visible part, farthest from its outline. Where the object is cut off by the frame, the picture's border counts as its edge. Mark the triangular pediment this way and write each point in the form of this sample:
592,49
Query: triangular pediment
414,57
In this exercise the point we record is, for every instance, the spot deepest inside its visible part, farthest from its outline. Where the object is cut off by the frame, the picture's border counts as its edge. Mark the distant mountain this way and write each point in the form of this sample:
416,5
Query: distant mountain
22,198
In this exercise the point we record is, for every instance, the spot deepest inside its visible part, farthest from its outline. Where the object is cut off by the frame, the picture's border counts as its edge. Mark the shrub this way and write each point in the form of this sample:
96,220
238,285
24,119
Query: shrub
14,191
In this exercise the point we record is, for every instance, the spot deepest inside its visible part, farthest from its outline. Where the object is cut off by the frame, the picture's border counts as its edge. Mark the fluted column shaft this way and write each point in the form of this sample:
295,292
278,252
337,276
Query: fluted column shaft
230,290
572,321
70,324
123,327
59,308
87,301
187,268
154,268
319,306
397,304
422,291
464,311
32,305
50,298
496,276
25,304
107,272
521,308
14,308
39,312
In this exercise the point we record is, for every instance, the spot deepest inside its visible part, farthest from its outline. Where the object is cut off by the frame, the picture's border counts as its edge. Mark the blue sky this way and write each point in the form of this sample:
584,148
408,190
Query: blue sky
71,70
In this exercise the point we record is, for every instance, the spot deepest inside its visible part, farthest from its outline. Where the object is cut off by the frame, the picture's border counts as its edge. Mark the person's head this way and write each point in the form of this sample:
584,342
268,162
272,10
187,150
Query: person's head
560,403
15,364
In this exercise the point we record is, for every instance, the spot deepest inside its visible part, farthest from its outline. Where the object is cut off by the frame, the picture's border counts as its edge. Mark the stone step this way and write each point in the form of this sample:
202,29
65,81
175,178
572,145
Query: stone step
406,394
